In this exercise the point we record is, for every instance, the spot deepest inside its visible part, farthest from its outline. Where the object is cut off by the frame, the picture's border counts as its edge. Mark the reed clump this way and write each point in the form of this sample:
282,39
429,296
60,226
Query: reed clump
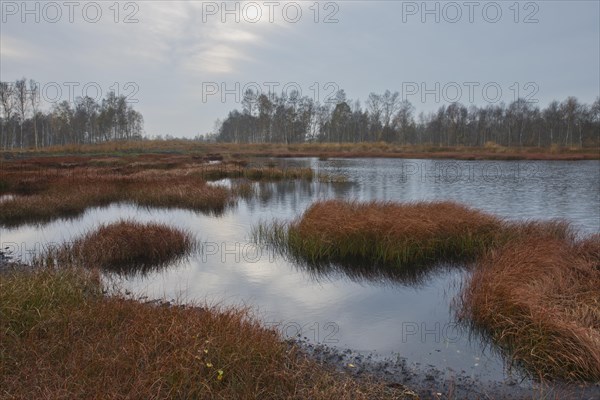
197,196
539,300
59,201
126,246
331,178
236,169
62,338
384,232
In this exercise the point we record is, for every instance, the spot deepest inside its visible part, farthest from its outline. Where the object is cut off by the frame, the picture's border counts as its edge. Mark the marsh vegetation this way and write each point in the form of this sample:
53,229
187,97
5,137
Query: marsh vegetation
412,247
534,287
61,337
124,247
45,189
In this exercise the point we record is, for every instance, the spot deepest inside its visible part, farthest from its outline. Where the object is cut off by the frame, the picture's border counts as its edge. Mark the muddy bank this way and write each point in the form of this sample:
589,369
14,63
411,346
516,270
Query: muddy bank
430,382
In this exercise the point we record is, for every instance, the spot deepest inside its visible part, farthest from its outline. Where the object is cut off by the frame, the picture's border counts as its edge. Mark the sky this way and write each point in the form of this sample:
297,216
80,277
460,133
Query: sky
184,64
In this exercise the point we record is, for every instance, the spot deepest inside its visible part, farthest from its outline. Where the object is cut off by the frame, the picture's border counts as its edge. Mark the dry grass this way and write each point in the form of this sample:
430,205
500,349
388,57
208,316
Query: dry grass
60,338
384,233
47,188
322,150
331,178
535,290
71,196
539,299
253,173
126,246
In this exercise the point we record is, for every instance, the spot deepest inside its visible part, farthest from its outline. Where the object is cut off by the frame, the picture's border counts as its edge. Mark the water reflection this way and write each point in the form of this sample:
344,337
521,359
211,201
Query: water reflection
408,275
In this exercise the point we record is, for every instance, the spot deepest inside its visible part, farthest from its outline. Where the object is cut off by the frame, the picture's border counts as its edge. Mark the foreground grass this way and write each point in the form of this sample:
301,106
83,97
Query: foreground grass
539,300
60,337
125,247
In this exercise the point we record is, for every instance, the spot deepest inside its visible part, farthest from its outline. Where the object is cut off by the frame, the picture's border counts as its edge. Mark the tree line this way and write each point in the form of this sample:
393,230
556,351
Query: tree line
387,117
23,124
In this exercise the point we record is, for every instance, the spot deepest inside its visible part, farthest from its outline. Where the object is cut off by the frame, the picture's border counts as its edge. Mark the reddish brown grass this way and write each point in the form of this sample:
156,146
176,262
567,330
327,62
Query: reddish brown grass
54,187
127,246
539,299
399,234
325,150
388,233
46,195
536,292
60,338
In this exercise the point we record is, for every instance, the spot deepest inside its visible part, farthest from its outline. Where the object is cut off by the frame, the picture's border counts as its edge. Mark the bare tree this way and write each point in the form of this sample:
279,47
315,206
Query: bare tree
403,120
391,104
570,108
34,100
22,102
7,104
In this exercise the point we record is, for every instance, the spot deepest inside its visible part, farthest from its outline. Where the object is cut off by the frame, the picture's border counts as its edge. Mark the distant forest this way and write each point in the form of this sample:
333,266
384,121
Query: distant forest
386,117
24,125
293,119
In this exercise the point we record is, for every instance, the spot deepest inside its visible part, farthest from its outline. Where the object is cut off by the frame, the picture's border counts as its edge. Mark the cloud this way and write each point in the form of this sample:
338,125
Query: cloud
174,34
16,49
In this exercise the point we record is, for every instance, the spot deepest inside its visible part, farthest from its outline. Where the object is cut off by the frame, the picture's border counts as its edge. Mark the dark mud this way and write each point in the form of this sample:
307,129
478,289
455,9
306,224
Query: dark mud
429,382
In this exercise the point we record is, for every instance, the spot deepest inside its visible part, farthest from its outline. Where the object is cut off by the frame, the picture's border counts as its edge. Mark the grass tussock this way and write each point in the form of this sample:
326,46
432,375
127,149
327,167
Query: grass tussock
539,299
61,338
332,178
384,232
240,169
126,246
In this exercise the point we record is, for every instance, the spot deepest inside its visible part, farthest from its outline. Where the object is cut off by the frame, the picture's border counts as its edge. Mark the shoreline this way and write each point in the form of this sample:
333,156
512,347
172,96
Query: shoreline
431,382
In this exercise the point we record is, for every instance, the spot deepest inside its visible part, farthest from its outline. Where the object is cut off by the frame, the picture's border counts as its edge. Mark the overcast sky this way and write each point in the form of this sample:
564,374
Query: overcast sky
186,63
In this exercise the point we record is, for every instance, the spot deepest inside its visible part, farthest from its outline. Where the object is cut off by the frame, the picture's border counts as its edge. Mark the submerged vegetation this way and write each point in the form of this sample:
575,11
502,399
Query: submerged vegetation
535,289
60,337
125,246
